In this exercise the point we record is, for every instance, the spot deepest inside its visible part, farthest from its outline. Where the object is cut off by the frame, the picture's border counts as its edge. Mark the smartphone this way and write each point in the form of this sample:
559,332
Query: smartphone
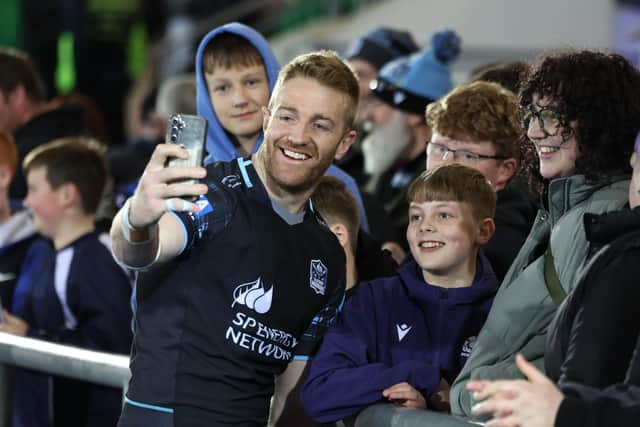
190,132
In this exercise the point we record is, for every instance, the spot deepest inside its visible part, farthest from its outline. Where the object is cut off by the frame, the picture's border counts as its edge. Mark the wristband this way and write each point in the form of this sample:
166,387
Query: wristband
132,234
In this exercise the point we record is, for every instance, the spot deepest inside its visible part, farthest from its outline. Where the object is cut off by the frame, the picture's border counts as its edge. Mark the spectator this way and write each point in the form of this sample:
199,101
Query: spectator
477,125
394,151
16,226
25,113
78,295
403,339
339,209
598,317
367,55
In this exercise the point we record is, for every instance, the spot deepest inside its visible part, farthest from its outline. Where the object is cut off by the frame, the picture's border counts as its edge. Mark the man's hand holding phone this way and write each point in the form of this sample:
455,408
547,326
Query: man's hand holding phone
170,180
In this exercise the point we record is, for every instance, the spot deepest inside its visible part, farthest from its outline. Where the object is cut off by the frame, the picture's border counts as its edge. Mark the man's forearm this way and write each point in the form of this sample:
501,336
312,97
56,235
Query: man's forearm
139,249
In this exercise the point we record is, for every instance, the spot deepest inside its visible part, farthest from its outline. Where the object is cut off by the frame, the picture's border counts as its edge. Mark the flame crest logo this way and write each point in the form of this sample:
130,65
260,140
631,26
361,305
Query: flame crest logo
253,295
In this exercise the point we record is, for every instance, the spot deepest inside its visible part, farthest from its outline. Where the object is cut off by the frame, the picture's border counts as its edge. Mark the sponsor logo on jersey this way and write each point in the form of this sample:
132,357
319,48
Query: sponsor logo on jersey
467,347
402,330
253,296
232,181
204,206
318,276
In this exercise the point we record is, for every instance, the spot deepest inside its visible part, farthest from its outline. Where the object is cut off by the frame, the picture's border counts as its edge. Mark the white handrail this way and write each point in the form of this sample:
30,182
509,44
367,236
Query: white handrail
91,366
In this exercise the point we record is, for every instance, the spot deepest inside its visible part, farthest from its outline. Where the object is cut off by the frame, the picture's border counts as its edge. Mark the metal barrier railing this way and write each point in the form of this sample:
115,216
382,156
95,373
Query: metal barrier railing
91,366
388,415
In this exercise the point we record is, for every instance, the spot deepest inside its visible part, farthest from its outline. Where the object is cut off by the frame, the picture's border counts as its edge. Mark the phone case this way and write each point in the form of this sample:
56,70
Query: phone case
188,131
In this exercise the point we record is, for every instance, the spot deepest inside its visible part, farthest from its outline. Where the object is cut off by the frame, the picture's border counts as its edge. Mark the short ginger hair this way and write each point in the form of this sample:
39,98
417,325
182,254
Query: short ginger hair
480,111
328,69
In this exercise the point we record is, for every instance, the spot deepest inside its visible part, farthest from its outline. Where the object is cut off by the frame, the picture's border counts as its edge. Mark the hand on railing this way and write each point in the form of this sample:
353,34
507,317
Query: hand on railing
13,324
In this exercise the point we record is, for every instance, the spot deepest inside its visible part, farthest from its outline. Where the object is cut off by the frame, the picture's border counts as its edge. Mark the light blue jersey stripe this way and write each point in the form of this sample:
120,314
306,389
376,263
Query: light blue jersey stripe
184,231
242,163
147,406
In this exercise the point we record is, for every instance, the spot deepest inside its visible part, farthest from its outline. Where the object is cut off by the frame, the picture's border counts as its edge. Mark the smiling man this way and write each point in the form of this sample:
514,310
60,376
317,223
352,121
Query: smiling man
241,285
236,71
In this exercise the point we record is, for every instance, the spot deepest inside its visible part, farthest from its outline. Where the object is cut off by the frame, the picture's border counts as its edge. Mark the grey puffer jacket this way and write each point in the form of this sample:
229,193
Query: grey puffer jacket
523,309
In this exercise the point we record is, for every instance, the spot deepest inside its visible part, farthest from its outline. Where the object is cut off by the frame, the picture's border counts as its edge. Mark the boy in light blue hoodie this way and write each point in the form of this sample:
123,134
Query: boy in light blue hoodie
235,74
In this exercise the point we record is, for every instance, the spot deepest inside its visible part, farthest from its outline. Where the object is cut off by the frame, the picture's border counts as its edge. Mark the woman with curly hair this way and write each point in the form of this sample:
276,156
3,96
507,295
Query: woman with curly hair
581,110
591,341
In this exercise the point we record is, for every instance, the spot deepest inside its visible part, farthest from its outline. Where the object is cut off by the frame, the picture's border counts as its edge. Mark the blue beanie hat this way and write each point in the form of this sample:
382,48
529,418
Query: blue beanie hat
412,82
381,45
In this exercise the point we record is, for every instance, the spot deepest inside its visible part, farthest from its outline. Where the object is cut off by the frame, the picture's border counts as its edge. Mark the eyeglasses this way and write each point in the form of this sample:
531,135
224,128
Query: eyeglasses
549,120
440,152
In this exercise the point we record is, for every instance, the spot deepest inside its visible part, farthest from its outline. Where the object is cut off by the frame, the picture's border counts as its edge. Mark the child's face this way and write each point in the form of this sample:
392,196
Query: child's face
44,202
443,237
238,95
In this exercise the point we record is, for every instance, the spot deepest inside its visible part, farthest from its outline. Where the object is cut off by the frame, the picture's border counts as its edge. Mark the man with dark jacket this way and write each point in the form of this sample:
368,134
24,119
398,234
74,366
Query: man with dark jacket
25,113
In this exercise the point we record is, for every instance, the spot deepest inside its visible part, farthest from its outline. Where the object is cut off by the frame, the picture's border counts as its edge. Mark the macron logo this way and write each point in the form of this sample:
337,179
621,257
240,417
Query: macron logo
402,330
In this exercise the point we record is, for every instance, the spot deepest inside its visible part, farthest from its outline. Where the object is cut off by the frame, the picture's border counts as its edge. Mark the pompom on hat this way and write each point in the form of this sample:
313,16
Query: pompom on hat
381,45
412,82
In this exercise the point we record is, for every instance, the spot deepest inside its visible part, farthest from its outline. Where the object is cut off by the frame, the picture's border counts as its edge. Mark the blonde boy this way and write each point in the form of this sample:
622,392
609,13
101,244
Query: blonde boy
403,339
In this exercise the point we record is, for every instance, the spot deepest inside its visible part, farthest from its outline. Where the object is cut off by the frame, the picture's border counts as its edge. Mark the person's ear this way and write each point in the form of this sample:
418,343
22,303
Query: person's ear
266,115
341,233
17,96
486,228
68,194
5,177
344,145
506,170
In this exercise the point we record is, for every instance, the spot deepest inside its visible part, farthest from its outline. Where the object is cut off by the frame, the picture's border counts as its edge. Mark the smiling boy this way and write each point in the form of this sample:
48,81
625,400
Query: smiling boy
404,338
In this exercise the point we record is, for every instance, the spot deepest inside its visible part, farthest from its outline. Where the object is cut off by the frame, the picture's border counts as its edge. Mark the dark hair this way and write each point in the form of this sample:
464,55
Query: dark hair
335,203
229,50
453,182
18,69
599,91
76,160
506,74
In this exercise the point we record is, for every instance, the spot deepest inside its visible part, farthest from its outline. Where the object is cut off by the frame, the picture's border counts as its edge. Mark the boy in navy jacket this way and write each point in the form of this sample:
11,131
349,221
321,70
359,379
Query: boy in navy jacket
75,294
405,338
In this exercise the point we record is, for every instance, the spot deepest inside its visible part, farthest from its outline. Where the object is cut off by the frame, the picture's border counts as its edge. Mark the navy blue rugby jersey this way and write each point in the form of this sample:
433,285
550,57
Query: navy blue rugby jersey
248,294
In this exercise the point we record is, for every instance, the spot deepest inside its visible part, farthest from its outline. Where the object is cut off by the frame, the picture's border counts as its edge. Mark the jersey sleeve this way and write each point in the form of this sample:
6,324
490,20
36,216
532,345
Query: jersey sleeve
216,211
312,337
